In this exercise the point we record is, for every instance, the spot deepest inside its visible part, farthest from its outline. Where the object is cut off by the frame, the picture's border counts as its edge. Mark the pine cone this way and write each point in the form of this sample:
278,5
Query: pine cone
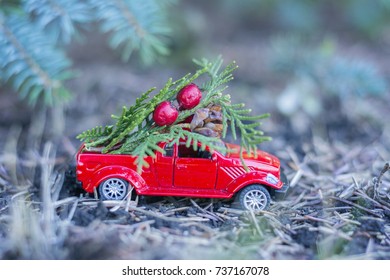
208,121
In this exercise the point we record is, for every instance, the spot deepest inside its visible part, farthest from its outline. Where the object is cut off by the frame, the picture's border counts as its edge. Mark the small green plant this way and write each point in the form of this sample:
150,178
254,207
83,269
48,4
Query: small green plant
136,133
336,74
363,18
319,72
34,33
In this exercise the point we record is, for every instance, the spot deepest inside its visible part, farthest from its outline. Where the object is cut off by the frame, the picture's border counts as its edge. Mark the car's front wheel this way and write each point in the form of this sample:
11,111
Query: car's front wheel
254,198
113,189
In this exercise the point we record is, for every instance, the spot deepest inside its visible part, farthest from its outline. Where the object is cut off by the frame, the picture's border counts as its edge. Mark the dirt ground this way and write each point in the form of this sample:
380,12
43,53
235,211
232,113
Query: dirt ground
336,159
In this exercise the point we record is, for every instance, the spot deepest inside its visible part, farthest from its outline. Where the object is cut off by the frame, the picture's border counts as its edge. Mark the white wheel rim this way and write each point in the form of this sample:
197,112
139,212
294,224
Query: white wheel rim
255,200
114,189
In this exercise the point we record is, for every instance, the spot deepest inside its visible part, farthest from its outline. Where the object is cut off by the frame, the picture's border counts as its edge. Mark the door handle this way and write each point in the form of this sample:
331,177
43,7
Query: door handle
181,166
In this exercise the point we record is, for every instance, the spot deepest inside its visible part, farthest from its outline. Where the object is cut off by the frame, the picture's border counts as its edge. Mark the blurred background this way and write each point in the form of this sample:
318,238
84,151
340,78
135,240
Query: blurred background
319,67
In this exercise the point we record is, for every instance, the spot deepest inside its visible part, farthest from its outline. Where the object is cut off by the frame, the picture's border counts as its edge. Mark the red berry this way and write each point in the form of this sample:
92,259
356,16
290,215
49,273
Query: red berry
165,114
189,96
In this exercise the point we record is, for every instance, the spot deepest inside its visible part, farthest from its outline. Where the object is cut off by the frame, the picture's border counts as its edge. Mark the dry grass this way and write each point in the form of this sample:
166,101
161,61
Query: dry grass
339,207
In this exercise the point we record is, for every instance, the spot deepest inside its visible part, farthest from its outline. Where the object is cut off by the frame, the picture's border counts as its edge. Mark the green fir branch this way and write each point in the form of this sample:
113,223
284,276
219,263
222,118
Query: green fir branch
95,133
32,73
33,34
60,19
134,117
136,133
134,25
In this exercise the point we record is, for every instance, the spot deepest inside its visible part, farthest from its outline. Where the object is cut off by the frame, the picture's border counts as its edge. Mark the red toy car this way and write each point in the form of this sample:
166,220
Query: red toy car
183,171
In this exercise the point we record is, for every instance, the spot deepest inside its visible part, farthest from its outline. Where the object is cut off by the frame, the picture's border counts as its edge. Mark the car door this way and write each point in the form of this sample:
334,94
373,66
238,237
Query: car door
164,166
194,169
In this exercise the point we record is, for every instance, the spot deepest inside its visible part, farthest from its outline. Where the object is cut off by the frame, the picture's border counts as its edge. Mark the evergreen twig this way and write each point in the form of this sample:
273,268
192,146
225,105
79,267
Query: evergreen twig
136,133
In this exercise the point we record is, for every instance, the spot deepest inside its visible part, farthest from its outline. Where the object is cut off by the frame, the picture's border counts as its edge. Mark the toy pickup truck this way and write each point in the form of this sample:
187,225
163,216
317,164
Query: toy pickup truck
183,171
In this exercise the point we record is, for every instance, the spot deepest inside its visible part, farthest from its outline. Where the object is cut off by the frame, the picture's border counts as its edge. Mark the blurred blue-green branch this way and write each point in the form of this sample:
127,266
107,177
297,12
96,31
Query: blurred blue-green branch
33,34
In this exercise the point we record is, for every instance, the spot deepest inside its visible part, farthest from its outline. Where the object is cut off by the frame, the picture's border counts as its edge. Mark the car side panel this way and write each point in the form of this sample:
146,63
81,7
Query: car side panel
227,175
107,172
249,179
93,168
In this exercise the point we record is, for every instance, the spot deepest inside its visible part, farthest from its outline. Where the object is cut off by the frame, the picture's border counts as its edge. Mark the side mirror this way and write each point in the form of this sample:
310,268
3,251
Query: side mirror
214,157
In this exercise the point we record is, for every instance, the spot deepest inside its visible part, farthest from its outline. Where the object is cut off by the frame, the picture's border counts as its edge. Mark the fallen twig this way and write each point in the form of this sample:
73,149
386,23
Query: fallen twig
357,206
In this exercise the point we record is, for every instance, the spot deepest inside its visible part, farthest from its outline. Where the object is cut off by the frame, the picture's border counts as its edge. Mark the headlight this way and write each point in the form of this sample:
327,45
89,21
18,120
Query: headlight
272,179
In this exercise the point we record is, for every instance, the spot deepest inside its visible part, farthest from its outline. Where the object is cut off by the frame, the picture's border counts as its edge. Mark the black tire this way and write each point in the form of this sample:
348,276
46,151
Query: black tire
113,189
254,198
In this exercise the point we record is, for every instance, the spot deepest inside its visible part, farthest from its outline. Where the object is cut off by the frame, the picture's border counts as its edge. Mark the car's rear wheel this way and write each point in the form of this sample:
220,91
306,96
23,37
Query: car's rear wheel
113,189
254,198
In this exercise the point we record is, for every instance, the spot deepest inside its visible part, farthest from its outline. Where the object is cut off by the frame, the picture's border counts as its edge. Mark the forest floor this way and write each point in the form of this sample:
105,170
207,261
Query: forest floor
337,163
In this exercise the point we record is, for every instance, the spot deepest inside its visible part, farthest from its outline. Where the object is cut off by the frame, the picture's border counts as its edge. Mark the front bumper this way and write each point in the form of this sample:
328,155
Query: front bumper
281,193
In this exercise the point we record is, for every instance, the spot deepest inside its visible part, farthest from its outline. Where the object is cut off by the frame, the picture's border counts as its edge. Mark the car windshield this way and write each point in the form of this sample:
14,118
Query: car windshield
223,149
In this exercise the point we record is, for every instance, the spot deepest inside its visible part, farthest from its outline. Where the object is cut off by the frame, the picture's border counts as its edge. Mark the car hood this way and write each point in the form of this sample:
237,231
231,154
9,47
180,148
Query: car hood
261,158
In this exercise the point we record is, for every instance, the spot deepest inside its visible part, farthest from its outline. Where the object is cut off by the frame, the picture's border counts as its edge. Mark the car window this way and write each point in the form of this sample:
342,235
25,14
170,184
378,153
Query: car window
168,149
189,152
